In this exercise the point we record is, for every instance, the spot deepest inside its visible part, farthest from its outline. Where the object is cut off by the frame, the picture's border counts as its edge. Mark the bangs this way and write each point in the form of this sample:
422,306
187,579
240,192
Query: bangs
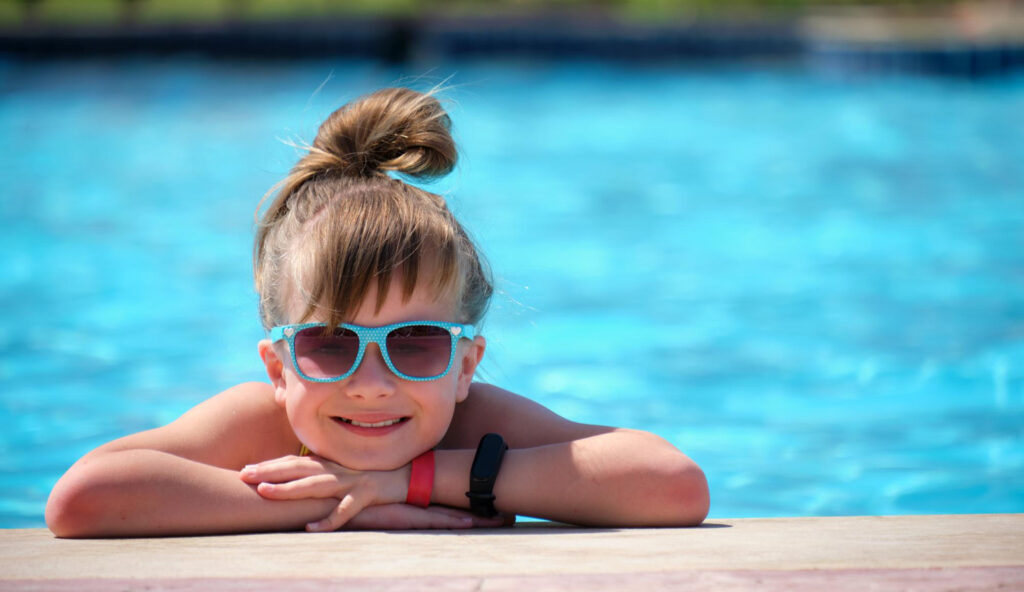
368,238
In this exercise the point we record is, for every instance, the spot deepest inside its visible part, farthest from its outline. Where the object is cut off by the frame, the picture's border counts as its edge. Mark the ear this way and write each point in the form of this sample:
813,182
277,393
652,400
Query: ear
275,369
469,360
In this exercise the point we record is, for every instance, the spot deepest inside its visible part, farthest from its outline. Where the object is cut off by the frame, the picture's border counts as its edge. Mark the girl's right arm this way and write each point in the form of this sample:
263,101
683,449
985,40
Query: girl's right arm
183,478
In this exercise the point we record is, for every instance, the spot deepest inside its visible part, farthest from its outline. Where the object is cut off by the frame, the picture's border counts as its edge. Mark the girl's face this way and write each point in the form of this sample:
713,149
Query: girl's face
374,420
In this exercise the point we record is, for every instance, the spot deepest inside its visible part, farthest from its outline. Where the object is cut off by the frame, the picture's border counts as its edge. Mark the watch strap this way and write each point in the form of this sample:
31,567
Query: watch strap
484,473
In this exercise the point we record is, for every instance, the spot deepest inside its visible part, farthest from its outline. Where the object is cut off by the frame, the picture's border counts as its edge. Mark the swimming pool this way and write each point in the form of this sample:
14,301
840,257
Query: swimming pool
813,286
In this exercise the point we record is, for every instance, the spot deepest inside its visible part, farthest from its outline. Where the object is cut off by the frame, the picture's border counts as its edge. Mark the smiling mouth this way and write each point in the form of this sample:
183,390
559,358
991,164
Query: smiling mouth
379,424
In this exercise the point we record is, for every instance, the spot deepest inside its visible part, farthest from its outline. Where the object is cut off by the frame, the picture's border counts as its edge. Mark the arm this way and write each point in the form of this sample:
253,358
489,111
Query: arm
183,478
570,472
620,478
144,492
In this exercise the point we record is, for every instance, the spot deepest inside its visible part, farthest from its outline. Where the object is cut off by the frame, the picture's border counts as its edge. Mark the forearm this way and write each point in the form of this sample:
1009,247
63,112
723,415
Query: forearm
622,478
152,493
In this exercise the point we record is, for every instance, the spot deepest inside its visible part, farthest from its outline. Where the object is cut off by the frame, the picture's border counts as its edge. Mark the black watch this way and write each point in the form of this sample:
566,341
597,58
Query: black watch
484,473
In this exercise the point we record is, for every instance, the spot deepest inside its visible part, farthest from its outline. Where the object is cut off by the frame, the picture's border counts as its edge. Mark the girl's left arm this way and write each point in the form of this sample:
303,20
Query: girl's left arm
569,472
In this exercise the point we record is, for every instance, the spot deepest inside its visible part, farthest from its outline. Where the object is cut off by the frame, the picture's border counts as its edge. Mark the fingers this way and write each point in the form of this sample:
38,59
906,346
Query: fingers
406,517
476,521
283,469
315,486
344,511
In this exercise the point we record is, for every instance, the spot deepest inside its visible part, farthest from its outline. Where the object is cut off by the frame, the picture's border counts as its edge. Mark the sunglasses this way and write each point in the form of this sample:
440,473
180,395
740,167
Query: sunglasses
416,350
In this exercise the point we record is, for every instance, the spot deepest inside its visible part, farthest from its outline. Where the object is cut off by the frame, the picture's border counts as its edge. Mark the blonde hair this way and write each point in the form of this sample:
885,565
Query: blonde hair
339,222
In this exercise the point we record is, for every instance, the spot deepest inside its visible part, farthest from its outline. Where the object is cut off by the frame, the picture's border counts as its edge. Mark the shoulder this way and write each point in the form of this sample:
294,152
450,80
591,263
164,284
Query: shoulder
521,421
250,400
238,426
246,420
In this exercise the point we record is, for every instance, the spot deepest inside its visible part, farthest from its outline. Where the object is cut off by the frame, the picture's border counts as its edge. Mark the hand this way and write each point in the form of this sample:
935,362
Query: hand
302,477
406,517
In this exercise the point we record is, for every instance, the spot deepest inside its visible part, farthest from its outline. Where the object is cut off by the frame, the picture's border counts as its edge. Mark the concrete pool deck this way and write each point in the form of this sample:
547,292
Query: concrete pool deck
957,552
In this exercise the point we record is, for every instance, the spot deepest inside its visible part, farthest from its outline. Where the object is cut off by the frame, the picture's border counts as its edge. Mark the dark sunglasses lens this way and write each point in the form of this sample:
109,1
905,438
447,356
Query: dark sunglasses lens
322,353
420,351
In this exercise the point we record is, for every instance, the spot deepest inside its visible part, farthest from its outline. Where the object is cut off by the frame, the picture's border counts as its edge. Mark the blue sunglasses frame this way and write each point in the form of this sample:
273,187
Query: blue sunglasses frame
376,335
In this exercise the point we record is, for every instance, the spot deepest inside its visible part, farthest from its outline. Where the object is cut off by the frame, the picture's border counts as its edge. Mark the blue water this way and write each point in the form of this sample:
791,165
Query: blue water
813,286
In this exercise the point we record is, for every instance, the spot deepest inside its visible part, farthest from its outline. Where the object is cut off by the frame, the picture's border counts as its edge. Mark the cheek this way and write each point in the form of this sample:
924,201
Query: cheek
302,409
302,401
444,400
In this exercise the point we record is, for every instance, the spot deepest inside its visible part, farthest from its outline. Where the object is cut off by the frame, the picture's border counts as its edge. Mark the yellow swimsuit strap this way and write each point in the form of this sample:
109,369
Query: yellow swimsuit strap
304,451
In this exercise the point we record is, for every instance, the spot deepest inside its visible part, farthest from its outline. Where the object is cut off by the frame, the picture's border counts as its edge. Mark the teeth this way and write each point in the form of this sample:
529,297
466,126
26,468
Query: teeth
379,424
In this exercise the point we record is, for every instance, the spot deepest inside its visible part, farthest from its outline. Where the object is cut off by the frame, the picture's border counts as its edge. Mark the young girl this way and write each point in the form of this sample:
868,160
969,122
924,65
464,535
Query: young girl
373,295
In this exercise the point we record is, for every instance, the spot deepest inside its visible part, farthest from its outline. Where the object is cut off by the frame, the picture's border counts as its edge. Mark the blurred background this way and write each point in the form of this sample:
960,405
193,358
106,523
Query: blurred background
786,236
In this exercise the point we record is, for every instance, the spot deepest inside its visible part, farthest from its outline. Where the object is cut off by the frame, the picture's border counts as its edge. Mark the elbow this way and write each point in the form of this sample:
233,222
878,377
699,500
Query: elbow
65,515
79,504
685,499
674,488
70,511
693,499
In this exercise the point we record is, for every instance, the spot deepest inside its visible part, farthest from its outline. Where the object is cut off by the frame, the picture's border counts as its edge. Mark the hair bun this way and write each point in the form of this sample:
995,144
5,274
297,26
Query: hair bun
393,129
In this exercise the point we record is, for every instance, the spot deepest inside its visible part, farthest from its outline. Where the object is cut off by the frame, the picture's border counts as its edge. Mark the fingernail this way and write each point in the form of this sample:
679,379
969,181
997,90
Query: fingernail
313,526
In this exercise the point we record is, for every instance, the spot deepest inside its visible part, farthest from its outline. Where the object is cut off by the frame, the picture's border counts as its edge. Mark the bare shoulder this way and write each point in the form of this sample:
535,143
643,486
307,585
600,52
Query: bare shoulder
241,425
521,421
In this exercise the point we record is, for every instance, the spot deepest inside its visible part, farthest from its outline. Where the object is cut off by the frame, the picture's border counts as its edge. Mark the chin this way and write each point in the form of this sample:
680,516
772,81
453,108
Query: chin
373,464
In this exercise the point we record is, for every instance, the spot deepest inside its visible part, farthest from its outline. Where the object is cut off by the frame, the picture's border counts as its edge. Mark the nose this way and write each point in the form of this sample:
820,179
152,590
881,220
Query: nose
372,379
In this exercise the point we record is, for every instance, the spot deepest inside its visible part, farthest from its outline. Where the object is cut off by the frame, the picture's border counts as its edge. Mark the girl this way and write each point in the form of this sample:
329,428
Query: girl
372,294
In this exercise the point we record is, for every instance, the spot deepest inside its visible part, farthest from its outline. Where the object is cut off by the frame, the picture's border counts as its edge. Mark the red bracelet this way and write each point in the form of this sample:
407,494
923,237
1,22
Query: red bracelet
421,480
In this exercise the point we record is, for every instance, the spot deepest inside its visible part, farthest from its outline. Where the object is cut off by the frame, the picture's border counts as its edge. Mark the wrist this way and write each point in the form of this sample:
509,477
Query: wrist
484,473
451,470
395,485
